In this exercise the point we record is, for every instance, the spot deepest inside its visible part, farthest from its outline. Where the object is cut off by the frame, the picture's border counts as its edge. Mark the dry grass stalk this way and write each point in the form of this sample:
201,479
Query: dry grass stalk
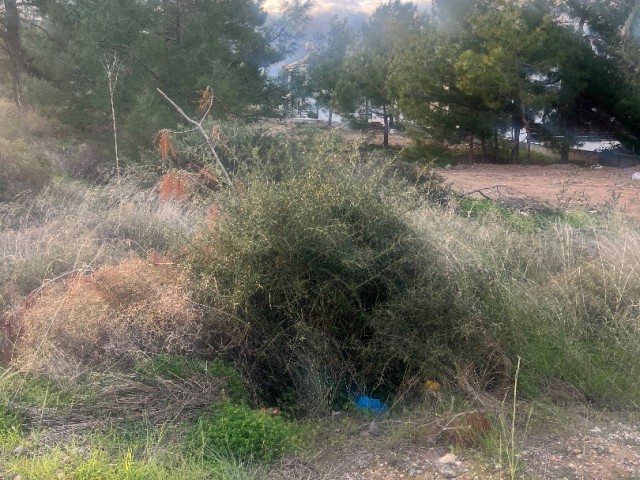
159,399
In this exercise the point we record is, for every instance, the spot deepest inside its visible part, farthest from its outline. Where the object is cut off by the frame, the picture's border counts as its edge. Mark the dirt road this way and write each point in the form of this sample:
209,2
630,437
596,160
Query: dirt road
566,186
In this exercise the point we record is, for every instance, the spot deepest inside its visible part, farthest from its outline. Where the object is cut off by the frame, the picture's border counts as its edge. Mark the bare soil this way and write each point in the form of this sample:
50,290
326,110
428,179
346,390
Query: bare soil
579,445
566,186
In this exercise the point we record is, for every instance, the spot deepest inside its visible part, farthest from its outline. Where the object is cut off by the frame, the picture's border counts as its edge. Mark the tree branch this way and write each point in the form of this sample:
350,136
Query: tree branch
199,127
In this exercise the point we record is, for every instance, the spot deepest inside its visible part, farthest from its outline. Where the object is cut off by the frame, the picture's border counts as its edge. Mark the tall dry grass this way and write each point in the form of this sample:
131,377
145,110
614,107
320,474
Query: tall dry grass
565,299
334,271
72,227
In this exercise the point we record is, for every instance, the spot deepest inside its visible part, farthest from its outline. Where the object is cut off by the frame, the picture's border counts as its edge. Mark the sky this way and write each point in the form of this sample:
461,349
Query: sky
340,8
357,11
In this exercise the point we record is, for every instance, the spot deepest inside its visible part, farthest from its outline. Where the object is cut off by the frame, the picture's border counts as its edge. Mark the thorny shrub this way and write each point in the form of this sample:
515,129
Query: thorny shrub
332,283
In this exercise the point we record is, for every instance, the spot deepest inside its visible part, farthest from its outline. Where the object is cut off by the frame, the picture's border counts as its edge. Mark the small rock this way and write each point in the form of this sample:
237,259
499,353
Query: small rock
79,451
447,472
19,450
448,458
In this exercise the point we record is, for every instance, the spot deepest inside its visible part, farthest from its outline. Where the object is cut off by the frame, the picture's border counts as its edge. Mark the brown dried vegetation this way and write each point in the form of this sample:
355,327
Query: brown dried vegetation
175,185
135,308
164,145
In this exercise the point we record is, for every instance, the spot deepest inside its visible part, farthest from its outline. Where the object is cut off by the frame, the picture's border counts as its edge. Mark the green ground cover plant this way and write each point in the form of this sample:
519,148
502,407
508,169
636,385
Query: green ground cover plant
236,431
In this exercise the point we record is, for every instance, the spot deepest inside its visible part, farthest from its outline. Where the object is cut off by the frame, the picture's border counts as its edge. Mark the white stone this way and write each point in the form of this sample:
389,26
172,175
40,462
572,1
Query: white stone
448,458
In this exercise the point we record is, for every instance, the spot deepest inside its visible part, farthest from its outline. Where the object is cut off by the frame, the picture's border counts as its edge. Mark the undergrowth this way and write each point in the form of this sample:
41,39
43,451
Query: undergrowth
238,432
325,273
322,265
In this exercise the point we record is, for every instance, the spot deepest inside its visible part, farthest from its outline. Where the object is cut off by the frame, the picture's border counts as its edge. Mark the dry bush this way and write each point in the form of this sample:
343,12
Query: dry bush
16,125
24,170
69,227
120,312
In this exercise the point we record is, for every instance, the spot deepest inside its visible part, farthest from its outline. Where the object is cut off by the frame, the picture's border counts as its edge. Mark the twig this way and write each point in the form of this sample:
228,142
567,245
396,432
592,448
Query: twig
112,68
85,271
198,126
479,190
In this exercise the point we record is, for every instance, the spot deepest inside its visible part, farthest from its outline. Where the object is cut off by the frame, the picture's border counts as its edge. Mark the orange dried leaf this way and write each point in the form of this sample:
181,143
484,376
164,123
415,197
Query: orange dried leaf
206,99
174,185
165,146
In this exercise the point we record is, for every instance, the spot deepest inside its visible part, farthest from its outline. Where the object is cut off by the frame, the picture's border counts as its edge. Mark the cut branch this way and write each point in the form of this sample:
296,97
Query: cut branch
202,131
480,191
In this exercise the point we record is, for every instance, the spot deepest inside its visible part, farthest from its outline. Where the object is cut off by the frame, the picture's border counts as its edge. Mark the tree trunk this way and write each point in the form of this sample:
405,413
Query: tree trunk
483,147
330,115
11,36
385,116
471,149
527,128
515,156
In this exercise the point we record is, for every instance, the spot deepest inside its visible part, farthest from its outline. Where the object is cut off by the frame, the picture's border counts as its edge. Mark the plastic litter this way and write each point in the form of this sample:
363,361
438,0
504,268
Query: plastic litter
636,176
370,404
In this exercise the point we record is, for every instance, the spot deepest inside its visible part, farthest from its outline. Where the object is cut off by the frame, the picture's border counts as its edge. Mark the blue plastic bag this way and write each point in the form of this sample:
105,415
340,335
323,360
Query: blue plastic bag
370,404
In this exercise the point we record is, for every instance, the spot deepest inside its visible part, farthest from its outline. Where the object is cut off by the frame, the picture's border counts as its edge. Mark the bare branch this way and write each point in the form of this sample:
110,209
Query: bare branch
480,190
112,69
199,127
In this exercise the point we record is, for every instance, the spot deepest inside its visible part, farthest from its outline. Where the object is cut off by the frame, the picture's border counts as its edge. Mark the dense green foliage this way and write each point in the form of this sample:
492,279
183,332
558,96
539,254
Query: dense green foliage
180,47
455,72
473,71
307,261
9,421
239,432
326,64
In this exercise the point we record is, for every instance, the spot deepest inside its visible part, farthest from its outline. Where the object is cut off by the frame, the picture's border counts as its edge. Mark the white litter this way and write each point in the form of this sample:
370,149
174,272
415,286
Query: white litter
636,176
